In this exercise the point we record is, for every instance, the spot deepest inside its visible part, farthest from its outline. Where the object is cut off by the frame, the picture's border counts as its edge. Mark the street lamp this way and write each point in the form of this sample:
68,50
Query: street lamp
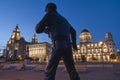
7,52
27,51
101,46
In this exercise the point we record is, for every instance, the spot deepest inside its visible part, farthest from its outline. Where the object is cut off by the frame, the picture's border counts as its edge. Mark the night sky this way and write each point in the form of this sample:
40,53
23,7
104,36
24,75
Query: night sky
98,16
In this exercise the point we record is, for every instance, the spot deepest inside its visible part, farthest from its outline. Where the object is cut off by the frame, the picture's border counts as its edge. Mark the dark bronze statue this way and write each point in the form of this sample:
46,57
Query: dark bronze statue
61,34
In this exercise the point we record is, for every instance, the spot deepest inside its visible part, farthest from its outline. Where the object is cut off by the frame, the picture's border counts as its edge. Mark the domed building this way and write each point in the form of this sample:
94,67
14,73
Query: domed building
85,36
18,47
94,51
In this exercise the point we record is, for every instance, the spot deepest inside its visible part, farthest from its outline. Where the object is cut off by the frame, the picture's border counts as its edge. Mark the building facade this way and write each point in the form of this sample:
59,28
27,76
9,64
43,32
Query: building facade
91,51
94,51
18,48
15,47
37,50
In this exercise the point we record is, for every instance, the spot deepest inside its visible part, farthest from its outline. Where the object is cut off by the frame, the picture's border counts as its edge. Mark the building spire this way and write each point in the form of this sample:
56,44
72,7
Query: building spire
34,39
16,33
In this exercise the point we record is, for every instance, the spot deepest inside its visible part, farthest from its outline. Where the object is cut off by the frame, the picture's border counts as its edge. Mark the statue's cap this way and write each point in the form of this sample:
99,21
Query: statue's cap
51,6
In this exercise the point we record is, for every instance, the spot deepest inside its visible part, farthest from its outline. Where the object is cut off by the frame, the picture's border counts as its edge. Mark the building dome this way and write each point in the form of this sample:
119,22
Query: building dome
84,30
85,36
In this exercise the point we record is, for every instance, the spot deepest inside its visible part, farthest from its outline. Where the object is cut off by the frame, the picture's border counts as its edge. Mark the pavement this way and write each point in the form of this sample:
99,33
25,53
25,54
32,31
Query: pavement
92,73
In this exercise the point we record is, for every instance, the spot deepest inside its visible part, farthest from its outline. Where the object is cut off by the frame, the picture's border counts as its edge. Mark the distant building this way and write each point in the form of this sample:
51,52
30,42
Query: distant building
37,50
118,56
16,47
94,51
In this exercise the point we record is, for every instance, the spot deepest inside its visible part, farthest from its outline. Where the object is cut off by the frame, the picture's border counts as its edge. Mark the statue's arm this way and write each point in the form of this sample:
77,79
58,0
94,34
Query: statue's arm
40,27
73,37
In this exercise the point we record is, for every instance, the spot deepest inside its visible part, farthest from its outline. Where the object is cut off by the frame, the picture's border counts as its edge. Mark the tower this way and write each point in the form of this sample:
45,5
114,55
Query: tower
109,37
110,43
16,33
34,39
13,43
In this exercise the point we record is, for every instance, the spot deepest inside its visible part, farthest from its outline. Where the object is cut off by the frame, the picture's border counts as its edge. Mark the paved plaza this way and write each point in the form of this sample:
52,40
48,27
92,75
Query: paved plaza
92,73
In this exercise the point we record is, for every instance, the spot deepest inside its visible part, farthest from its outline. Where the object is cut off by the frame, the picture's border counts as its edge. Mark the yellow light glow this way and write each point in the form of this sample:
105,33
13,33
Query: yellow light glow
100,43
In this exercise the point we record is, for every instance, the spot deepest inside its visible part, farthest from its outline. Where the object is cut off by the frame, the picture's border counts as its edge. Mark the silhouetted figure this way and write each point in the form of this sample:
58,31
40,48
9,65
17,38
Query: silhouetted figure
60,31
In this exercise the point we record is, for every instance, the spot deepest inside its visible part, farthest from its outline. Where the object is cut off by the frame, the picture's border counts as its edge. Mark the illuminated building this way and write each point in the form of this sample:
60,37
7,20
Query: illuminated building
94,51
37,50
16,45
18,48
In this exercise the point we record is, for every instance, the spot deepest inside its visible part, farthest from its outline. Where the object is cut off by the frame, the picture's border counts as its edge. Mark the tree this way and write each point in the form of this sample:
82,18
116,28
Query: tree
83,58
112,56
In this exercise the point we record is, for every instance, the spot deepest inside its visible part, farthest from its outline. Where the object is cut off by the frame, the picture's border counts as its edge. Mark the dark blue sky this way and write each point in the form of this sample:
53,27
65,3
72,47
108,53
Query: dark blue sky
98,16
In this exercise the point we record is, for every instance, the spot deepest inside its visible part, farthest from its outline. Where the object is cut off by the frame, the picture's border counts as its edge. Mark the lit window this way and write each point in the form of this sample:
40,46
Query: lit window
88,45
96,45
92,45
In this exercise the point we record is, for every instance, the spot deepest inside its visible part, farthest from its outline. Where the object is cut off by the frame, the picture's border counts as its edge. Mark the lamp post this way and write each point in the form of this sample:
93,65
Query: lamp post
7,52
102,57
27,52
101,45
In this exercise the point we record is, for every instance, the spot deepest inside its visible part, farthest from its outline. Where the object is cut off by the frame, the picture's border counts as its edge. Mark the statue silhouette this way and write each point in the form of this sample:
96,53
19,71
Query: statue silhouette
61,33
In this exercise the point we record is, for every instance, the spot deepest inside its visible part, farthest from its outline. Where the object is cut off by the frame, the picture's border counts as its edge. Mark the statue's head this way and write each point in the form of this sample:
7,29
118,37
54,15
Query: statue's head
50,7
